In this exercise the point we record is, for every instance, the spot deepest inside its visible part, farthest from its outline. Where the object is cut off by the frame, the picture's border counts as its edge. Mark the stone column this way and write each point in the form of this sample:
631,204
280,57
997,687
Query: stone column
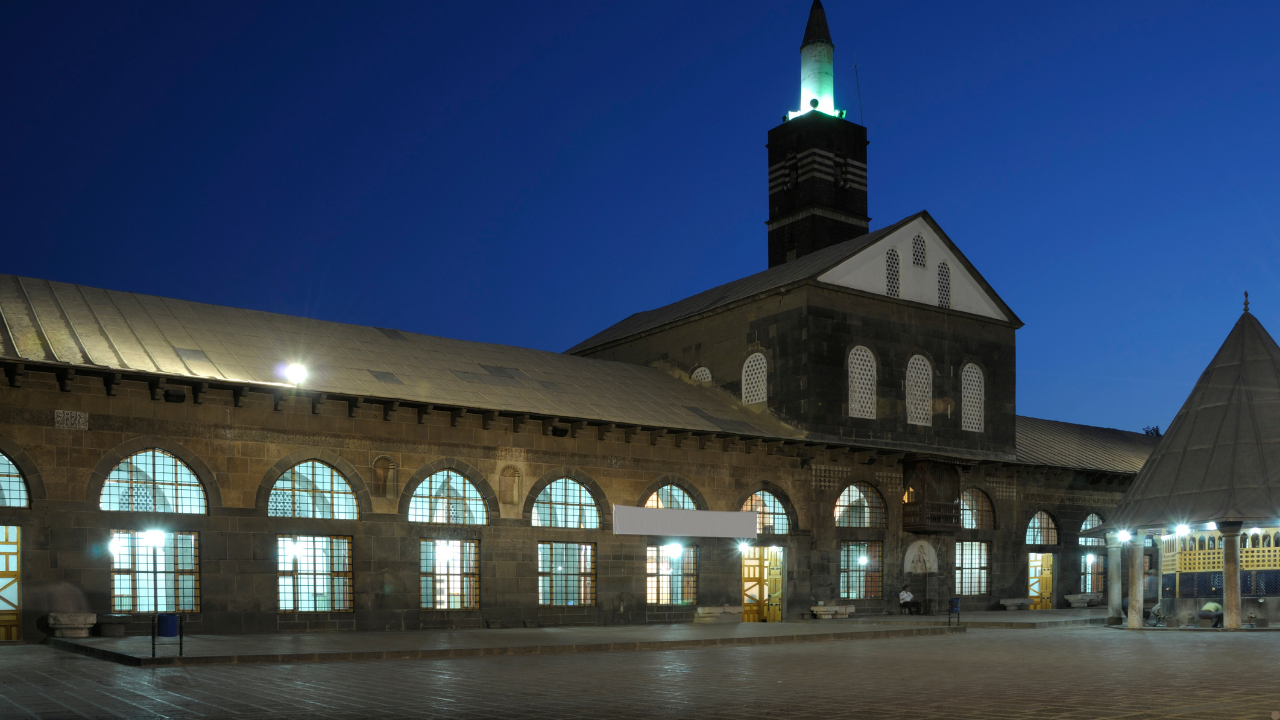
1135,581
1115,586
1230,573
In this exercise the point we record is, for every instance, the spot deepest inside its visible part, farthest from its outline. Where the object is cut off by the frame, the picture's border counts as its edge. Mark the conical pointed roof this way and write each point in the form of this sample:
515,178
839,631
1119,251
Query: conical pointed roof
1220,459
817,30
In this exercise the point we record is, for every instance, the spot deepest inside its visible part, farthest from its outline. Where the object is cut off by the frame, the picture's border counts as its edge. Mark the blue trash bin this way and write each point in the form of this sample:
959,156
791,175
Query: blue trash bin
167,625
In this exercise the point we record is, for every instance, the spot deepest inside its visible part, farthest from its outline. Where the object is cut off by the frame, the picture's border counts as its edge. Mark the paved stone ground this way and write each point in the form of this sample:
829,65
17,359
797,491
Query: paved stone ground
1060,673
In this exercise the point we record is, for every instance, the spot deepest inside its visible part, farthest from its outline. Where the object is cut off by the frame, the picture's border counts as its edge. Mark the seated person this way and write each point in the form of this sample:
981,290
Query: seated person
1212,611
907,601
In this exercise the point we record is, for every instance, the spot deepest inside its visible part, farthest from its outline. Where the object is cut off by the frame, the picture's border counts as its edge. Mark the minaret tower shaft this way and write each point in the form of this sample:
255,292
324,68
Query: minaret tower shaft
817,160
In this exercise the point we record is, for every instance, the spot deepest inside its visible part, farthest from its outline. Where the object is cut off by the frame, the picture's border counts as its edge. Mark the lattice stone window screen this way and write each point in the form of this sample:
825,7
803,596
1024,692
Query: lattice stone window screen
448,498
702,375
13,489
755,379
860,506
771,516
154,571
1042,530
973,390
566,574
892,274
671,575
313,573
972,568
450,574
919,391
312,489
861,570
152,481
976,512
566,503
862,383
944,285
918,256
1092,574
671,497
1091,522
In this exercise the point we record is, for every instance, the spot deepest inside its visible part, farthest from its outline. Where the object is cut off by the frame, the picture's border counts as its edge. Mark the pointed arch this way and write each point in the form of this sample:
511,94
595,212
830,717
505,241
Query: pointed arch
1042,529
447,497
466,470
566,503
1091,521
976,510
860,506
98,478
13,488
354,481
673,480
862,383
772,517
152,480
313,489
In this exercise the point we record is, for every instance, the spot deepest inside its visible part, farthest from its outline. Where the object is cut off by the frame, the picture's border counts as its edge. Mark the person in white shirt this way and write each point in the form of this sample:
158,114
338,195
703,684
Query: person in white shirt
907,600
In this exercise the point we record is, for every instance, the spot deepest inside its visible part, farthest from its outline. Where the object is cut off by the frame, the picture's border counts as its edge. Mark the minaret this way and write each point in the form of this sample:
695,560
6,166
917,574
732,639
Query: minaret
817,160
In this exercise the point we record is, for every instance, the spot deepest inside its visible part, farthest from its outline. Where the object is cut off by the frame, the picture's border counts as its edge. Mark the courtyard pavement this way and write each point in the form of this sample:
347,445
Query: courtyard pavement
1075,672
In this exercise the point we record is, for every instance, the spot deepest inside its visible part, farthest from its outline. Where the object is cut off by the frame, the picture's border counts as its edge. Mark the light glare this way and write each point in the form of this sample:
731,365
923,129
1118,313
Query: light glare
742,547
295,373
672,550
1183,530
153,538
1124,536
862,560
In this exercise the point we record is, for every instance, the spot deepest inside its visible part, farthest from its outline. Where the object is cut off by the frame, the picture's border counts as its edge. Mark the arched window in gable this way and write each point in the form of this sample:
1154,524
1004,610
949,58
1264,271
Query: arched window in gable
671,497
860,506
449,498
892,274
702,375
152,481
755,380
312,489
1042,530
919,258
976,512
1092,521
919,391
13,488
771,516
973,391
862,383
566,503
944,285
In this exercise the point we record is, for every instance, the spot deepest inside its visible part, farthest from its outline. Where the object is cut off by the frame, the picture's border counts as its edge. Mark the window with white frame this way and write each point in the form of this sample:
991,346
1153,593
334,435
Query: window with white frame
152,481
860,505
972,568
944,285
1091,522
861,569
566,574
313,573
862,383
671,497
771,515
566,503
447,497
312,489
918,251
755,380
919,391
450,574
892,274
154,571
13,489
702,375
671,575
1042,530
972,398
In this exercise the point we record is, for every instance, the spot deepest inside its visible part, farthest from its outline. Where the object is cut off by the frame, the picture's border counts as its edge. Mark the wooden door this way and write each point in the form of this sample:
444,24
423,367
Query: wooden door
773,567
10,597
754,585
1040,581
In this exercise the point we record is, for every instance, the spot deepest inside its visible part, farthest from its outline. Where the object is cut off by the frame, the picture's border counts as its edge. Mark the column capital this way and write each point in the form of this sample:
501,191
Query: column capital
1113,539
1230,528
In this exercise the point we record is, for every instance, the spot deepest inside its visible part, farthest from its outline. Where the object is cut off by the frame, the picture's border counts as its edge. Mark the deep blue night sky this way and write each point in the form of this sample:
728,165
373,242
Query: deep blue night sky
530,173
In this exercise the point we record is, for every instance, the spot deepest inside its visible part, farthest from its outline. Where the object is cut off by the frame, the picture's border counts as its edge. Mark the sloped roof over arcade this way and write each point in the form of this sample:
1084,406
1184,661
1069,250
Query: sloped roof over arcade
1220,459
1081,447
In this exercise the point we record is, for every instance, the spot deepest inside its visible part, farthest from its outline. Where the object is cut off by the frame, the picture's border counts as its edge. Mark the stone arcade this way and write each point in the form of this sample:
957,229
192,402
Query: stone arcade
858,396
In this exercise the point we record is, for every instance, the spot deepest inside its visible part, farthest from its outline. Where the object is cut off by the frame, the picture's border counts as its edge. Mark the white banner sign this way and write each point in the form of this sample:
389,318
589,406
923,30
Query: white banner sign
629,520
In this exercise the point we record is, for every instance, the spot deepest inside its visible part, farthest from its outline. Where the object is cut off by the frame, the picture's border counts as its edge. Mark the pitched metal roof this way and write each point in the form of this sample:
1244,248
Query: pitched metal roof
1083,447
1220,459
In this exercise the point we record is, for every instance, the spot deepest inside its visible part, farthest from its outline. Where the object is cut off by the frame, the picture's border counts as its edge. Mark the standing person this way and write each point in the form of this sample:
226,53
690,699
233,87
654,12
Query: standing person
908,601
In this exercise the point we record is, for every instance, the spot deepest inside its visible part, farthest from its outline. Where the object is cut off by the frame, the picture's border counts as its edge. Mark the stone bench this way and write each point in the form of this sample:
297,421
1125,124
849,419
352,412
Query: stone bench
1084,600
830,612
719,614
71,625
1016,603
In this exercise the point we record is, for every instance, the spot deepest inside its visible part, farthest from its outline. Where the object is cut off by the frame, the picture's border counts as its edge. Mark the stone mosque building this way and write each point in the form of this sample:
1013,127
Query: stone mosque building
855,404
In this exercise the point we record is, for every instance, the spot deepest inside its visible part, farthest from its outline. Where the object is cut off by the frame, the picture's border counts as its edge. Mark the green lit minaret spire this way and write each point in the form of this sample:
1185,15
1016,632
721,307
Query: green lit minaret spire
817,52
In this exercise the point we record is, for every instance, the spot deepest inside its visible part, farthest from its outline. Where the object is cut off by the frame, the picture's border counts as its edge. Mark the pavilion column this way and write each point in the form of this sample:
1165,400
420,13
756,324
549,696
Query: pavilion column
1135,580
1230,573
1115,585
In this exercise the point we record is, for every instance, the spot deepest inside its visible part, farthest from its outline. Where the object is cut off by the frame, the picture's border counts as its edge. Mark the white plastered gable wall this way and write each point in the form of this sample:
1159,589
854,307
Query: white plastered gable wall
866,271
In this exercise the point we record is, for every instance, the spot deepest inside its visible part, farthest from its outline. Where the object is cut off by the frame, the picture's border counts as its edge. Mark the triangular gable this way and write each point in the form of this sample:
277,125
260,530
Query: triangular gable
868,271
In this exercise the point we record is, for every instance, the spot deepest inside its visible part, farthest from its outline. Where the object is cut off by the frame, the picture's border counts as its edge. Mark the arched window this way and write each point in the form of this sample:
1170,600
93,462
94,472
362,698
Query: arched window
1182,545
1244,540
860,506
671,497
892,274
1255,541
1275,541
862,383
13,489
1200,543
1042,530
919,391
702,375
944,285
1266,540
972,398
755,382
918,256
152,481
976,512
566,503
1213,545
312,489
449,498
1092,521
771,518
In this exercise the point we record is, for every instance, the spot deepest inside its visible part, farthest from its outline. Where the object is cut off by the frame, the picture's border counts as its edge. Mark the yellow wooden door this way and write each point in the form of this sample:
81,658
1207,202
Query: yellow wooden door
1040,581
773,566
754,589
10,597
